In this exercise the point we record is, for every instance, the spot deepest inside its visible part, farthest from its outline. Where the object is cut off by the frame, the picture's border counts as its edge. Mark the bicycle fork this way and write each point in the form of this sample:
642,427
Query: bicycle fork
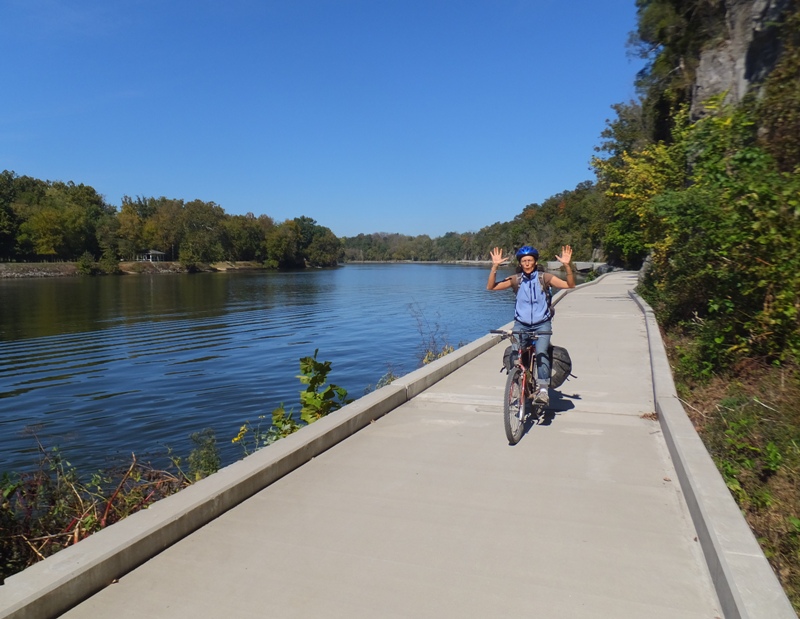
527,390
524,392
520,414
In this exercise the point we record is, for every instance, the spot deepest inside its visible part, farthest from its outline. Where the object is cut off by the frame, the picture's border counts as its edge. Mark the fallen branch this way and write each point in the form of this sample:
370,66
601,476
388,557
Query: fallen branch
697,410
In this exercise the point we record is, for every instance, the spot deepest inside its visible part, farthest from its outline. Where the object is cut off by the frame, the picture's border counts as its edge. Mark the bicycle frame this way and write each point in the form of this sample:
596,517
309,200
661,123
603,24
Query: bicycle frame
526,361
526,353
521,383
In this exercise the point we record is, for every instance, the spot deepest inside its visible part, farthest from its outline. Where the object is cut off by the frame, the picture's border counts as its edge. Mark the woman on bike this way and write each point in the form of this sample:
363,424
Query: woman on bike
533,311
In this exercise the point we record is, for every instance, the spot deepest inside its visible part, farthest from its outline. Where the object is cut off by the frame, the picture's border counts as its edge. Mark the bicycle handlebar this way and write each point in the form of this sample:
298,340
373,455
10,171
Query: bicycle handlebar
512,332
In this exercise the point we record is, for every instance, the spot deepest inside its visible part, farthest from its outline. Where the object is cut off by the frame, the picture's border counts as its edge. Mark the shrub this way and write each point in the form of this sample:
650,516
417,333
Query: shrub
86,264
53,507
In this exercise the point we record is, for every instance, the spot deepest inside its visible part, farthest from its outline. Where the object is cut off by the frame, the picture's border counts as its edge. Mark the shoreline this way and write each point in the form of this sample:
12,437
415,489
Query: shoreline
37,270
19,270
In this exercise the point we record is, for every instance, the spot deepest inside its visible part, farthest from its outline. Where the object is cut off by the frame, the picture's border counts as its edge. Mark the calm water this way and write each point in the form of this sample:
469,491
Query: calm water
103,367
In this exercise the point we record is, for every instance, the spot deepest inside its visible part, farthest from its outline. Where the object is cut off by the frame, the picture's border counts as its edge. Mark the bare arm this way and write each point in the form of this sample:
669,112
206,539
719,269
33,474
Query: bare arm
565,258
497,261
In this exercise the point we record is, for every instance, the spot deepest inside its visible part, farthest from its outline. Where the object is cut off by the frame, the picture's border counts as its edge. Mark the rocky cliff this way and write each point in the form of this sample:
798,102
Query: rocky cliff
745,56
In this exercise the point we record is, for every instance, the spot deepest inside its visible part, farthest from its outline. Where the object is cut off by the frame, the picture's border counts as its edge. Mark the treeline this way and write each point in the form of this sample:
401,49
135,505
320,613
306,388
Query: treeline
45,220
576,217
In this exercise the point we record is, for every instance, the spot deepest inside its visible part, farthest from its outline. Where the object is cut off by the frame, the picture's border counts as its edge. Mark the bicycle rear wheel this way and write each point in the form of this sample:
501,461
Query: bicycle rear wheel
514,407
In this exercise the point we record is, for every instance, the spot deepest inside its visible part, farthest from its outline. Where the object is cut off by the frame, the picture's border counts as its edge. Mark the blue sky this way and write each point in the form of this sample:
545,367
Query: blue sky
409,116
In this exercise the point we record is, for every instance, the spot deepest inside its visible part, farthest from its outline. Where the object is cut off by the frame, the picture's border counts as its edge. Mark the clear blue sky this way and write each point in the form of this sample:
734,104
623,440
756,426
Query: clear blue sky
409,116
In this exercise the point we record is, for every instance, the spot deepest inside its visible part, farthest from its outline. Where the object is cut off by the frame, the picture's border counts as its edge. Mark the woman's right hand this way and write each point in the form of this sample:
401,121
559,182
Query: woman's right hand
497,257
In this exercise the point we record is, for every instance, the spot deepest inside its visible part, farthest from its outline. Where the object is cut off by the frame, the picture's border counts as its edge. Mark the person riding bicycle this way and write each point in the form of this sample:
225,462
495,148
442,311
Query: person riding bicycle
532,311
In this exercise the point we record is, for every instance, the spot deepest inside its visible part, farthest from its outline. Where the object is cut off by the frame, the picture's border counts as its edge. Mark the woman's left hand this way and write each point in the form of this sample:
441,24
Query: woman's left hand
566,255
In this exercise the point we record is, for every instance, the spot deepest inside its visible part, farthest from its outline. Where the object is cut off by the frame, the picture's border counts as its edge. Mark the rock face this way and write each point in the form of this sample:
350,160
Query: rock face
745,57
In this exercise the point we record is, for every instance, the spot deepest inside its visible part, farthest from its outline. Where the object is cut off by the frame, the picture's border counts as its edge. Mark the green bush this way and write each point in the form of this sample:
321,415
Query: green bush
204,459
109,264
318,399
86,264
726,265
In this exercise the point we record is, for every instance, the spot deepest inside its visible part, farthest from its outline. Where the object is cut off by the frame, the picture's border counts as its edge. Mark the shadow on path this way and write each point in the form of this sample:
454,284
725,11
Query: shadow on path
536,415
559,403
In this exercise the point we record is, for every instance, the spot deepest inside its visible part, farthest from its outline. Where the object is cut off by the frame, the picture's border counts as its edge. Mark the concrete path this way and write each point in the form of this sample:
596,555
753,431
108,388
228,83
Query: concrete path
428,512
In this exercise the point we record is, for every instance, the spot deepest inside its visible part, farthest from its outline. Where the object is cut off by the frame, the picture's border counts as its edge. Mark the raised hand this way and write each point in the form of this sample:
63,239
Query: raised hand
566,255
497,257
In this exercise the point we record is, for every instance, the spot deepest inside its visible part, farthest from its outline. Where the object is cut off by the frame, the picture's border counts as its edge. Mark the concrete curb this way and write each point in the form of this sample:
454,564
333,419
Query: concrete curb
746,586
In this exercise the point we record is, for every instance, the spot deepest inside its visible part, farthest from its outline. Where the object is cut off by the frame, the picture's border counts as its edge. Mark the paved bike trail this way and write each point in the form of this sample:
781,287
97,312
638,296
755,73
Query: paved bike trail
428,512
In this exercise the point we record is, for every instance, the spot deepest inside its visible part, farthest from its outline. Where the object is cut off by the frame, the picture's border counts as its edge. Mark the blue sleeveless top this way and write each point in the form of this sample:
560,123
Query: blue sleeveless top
531,308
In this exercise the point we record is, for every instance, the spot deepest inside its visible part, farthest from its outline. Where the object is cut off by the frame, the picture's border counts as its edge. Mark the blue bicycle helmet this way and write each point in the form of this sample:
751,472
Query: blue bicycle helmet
527,250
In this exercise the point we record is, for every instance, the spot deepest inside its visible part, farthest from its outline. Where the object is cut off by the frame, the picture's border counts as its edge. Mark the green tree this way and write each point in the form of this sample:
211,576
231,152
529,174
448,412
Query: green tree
164,227
62,222
42,232
631,181
671,34
202,234
9,223
451,246
132,216
306,230
627,132
422,248
282,246
317,245
299,242
107,233
26,194
244,237
324,249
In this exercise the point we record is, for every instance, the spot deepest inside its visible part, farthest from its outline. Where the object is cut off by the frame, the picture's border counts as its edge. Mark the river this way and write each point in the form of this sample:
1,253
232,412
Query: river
104,367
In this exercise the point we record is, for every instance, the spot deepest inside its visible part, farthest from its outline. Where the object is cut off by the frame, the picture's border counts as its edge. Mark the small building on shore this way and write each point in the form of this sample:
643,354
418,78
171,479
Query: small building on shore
151,255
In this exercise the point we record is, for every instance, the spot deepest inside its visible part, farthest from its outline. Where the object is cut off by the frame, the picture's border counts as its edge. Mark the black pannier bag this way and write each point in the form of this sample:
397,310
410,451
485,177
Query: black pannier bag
509,359
560,365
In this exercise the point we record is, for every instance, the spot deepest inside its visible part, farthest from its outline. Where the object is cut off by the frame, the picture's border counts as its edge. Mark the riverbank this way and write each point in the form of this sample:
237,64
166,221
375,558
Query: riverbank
10,270
37,269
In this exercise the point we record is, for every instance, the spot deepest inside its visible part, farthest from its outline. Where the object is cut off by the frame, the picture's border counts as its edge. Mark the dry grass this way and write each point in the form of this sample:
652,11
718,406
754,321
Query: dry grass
51,508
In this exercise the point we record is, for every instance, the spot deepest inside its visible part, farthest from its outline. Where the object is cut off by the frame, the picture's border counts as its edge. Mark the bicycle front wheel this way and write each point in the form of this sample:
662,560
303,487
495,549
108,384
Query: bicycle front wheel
514,406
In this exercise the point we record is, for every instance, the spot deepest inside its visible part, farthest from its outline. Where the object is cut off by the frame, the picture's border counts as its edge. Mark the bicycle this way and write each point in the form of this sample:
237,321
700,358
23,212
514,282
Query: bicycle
521,384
